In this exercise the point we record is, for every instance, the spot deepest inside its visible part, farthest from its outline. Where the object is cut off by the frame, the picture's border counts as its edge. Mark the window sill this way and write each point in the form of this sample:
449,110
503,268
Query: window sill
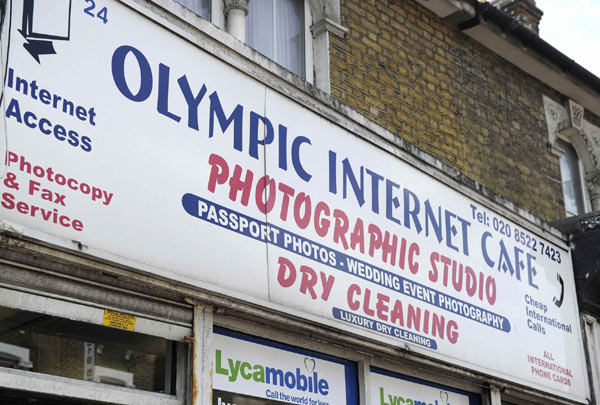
71,388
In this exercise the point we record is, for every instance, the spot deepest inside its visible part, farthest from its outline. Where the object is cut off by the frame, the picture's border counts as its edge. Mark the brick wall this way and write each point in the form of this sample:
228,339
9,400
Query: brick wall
421,78
49,354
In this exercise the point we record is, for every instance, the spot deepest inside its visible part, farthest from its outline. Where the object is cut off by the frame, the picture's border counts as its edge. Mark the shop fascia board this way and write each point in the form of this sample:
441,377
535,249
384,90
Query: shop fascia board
208,37
201,33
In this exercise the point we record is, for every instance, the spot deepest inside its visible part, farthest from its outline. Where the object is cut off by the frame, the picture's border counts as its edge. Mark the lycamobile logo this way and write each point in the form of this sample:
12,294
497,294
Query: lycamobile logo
390,399
268,375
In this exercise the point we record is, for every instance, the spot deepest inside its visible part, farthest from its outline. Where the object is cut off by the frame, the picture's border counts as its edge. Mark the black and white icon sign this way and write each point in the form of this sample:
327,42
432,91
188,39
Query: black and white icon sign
43,22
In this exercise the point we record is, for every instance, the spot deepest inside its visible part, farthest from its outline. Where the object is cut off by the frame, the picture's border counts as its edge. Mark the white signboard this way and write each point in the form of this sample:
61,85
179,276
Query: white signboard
391,389
132,143
260,369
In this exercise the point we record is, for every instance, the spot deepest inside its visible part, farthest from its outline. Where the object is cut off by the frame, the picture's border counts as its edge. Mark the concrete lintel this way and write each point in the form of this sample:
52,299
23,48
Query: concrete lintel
447,8
327,25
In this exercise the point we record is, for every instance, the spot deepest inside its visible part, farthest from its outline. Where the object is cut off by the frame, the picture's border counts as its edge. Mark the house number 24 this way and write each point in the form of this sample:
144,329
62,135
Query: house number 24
102,14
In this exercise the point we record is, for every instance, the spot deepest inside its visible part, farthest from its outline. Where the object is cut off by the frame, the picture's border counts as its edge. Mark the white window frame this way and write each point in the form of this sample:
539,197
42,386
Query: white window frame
587,205
216,13
308,42
309,70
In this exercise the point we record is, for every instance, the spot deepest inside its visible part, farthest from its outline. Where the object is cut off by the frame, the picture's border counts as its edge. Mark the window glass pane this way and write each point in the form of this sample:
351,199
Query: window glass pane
56,346
275,28
571,179
260,30
200,7
289,28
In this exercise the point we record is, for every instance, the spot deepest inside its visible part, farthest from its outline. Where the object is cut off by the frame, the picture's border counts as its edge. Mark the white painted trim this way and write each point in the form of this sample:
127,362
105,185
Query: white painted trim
235,18
592,334
446,8
321,61
308,44
364,382
587,205
217,15
86,390
495,396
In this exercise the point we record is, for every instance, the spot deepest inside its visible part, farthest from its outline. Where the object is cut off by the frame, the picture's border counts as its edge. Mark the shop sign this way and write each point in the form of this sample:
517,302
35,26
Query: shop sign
393,389
130,143
119,320
258,369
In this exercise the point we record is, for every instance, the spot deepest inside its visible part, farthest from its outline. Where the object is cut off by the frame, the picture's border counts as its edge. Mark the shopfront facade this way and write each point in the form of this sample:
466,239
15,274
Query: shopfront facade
185,221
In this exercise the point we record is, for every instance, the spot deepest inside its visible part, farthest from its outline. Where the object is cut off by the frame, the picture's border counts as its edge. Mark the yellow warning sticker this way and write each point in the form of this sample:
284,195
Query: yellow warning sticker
118,320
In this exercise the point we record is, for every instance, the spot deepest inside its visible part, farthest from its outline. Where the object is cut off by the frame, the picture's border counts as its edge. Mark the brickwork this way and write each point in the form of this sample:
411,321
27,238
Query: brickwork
422,79
49,354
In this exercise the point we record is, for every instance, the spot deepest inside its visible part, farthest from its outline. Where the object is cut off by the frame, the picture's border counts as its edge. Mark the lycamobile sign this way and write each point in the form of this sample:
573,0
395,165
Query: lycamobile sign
392,389
260,369
398,399
296,380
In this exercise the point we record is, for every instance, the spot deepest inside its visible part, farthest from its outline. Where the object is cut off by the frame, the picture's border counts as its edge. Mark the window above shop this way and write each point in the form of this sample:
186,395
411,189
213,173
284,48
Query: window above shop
572,181
276,28
293,33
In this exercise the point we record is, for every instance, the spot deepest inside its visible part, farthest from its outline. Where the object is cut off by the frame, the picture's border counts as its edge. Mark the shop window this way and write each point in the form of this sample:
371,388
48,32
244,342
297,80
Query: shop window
200,7
53,346
276,28
400,388
572,181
